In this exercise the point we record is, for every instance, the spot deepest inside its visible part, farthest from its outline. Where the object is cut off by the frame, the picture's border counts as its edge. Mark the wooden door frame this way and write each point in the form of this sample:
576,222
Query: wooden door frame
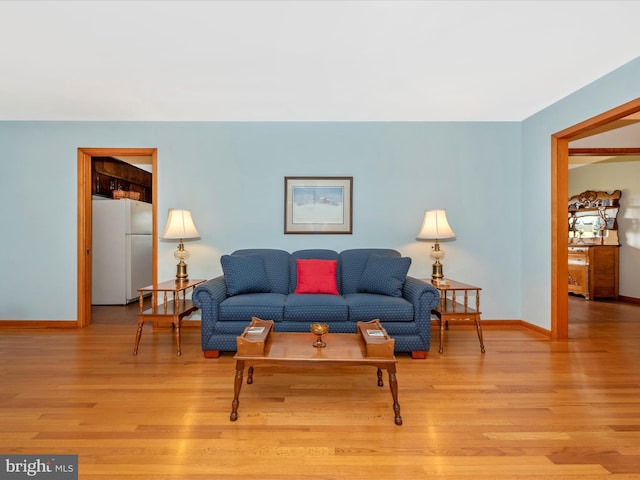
84,219
559,195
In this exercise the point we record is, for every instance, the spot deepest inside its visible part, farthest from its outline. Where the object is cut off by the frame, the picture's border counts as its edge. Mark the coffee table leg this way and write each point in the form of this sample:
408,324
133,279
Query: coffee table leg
479,329
393,385
250,375
177,324
138,335
237,385
380,382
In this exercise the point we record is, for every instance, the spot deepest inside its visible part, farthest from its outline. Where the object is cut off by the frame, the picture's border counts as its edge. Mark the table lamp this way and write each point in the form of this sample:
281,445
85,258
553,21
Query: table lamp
436,227
180,226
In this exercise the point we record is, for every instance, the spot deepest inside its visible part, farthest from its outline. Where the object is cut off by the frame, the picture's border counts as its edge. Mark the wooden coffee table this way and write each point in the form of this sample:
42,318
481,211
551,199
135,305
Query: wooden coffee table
295,349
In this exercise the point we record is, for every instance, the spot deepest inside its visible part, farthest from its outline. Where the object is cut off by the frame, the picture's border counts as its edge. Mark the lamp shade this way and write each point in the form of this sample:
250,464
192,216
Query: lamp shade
179,225
435,226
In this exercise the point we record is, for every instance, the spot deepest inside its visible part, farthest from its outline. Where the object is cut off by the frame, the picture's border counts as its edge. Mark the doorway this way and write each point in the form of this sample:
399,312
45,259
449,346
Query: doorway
559,194
85,215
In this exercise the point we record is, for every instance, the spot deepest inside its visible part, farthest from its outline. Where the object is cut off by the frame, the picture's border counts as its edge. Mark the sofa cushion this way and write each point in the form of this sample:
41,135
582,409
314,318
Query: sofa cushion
312,254
243,307
316,276
315,308
353,262
276,263
384,275
244,274
364,307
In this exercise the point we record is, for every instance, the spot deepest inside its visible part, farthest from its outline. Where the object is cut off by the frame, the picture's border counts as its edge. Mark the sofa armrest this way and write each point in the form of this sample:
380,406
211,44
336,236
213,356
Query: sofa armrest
207,297
424,297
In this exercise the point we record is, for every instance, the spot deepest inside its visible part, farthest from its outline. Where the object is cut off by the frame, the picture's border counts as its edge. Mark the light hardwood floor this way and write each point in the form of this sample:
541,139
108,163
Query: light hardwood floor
529,408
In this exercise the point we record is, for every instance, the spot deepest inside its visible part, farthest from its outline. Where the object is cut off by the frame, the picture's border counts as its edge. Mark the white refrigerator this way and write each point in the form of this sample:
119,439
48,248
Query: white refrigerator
122,257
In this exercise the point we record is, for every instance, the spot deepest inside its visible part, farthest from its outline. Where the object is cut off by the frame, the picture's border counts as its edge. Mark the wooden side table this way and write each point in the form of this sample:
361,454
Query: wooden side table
451,308
172,307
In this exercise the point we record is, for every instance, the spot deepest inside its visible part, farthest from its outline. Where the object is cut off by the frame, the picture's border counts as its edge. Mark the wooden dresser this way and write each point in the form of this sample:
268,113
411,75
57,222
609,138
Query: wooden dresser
593,244
593,271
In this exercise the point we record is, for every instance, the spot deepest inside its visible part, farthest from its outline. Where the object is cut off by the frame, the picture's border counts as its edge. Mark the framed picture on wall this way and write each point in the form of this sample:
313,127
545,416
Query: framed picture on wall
318,204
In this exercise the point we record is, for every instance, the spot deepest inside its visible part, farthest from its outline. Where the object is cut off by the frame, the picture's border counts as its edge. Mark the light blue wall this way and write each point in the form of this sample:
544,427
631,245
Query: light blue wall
614,89
231,175
493,178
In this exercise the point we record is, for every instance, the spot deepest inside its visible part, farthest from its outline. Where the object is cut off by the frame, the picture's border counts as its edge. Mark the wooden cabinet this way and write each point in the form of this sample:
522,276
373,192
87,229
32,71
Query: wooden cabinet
594,244
109,174
593,271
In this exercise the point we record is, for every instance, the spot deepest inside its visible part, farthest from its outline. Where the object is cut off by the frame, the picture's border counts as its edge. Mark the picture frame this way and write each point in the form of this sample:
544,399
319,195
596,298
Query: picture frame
318,205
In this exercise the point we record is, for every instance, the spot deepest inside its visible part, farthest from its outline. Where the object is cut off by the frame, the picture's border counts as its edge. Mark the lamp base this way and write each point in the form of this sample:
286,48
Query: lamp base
181,272
437,272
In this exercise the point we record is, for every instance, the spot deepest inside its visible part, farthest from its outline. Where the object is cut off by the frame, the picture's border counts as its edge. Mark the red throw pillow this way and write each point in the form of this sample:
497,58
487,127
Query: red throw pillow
317,276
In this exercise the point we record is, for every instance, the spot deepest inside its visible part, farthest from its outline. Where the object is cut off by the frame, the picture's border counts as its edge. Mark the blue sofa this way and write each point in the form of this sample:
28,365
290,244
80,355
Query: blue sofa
371,283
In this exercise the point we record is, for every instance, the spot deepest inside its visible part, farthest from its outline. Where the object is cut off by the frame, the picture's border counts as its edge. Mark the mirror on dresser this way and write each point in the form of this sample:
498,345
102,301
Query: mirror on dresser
594,244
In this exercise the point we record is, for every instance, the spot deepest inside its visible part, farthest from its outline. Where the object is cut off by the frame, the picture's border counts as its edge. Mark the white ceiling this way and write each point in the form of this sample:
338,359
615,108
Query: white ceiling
305,60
